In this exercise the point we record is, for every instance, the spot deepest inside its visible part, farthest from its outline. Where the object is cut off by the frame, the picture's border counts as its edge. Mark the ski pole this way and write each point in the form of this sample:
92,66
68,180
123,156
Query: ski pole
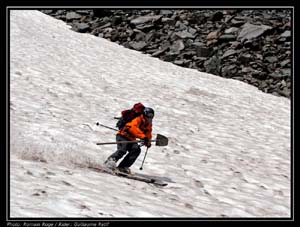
143,160
119,142
106,126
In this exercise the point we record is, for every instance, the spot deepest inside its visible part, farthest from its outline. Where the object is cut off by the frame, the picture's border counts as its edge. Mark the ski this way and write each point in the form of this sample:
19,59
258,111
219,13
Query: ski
132,176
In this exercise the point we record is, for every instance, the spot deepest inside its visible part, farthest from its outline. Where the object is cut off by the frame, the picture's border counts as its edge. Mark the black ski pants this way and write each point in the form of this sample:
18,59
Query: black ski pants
133,149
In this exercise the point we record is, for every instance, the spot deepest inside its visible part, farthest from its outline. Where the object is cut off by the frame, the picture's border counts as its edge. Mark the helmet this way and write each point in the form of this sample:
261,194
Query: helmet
138,107
148,112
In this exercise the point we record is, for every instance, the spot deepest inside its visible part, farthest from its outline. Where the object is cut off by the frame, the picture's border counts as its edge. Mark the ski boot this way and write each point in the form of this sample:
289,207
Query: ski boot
110,163
124,170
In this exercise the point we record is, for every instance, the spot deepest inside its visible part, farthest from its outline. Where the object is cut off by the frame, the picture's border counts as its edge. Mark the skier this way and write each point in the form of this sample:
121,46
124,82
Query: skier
140,127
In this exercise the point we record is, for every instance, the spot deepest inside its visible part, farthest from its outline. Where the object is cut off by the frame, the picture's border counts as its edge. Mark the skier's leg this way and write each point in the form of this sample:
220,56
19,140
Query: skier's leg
134,152
121,151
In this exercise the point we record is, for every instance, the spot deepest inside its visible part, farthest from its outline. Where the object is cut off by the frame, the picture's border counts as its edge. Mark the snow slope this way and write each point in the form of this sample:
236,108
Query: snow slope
229,143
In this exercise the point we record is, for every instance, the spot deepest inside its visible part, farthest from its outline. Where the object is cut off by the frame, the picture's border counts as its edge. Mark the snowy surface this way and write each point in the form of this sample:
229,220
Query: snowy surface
229,143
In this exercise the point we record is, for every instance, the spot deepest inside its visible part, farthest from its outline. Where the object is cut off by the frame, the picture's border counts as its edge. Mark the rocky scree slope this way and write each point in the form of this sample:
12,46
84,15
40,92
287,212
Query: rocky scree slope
253,46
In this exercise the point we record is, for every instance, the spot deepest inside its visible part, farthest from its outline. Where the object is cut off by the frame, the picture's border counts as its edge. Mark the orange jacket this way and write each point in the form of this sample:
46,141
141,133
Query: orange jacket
139,127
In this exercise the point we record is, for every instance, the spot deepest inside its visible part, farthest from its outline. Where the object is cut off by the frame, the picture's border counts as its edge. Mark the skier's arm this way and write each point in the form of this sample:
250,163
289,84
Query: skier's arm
148,134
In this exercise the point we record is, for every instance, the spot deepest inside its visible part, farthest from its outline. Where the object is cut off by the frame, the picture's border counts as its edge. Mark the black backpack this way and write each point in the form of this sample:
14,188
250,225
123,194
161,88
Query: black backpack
127,116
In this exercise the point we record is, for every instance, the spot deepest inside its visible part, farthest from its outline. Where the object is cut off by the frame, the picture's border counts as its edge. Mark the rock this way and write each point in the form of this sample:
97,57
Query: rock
180,26
165,12
229,53
286,34
237,23
83,12
285,92
192,31
287,45
229,71
259,75
60,12
231,30
252,44
244,58
160,51
196,19
285,63
83,27
137,45
47,11
281,73
216,16
287,26
211,42
145,19
149,37
178,62
188,54
202,50
236,45
116,20
213,35
263,85
250,31
271,59
286,72
227,38
168,21
177,46
230,11
105,25
114,36
169,57
184,35
107,30
212,65
72,16
259,56
139,36
283,83
247,70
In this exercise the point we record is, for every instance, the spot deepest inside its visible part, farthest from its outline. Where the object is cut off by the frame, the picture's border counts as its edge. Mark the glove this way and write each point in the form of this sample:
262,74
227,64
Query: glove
147,142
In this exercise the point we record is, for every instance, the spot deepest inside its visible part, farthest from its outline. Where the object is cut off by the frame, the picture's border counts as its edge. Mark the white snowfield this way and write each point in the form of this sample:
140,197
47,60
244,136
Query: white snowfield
229,152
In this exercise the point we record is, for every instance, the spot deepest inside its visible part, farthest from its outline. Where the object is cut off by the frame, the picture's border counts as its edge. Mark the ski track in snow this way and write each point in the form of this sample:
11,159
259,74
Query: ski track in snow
229,143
